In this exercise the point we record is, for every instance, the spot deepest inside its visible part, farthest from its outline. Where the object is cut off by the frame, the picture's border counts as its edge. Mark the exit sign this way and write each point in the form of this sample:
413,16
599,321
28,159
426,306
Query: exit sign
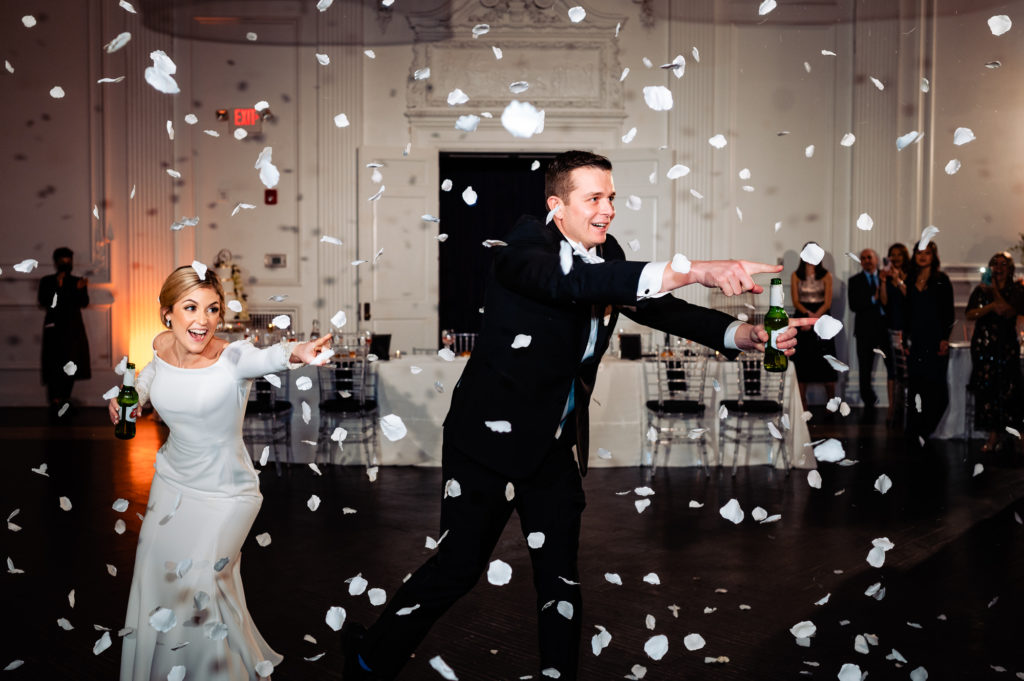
246,118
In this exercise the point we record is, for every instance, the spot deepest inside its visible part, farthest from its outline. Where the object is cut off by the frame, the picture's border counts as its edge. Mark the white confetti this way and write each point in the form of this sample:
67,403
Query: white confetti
829,451
962,136
578,14
718,141
65,504
877,83
765,7
469,196
281,321
357,585
732,512
335,617
117,43
814,479
827,326
102,643
26,266
535,540
269,174
442,668
163,620
467,123
633,202
680,263
952,167
883,484
677,171
999,24
499,573
57,92
263,539
160,74
906,140
656,647
978,469
522,340
927,234
499,426
864,222
693,642
836,364
456,97
393,427
522,119
812,253
848,140
658,97
809,151
876,557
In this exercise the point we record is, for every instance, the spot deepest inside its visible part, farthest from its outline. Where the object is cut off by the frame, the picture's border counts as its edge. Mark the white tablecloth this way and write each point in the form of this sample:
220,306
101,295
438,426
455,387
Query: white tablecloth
954,425
618,418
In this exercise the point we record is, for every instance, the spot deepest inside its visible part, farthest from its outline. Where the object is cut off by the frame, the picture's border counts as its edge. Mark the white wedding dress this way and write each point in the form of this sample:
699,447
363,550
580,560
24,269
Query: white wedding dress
186,606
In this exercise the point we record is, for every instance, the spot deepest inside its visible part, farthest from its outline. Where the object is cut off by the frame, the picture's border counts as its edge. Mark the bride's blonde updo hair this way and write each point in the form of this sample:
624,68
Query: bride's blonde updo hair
183,280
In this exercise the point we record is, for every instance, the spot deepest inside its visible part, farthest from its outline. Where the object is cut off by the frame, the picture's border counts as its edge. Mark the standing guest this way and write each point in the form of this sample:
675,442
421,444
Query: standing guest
928,321
187,583
893,293
995,351
516,436
811,289
63,295
869,327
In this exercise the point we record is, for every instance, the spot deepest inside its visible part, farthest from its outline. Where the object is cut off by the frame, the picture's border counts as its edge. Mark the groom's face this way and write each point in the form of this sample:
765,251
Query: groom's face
589,209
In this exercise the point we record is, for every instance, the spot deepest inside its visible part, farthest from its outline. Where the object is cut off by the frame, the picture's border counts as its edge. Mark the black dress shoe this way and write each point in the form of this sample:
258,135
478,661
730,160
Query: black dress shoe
351,639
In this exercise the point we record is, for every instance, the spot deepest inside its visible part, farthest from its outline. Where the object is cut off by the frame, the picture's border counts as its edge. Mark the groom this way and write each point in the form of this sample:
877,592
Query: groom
516,436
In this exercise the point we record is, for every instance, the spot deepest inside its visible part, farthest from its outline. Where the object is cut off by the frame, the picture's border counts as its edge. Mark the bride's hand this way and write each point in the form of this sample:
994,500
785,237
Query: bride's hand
308,352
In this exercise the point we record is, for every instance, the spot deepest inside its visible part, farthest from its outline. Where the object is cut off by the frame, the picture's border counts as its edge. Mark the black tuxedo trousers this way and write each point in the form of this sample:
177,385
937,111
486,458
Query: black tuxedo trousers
550,501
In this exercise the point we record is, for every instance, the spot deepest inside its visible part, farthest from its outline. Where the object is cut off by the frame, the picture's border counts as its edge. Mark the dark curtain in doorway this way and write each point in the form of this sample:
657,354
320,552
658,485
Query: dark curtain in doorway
506,188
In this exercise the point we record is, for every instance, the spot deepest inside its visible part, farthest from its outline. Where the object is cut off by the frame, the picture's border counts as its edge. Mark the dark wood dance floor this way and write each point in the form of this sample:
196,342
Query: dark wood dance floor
953,584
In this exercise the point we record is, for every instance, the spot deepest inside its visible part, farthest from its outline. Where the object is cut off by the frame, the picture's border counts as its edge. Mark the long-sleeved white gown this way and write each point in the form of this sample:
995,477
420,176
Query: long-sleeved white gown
202,503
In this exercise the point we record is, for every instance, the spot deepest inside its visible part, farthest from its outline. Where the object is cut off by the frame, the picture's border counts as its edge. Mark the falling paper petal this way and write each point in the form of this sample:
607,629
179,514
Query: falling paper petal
633,202
656,647
102,643
499,573
829,451
718,141
836,364
578,14
467,123
905,140
456,97
864,222
814,479
469,196
335,617
658,97
812,253
927,234
535,540
848,140
392,427
827,327
999,24
442,668
877,83
628,137
163,620
962,136
680,263
522,119
26,266
809,151
732,512
766,7
281,321
677,171
499,426
883,484
160,74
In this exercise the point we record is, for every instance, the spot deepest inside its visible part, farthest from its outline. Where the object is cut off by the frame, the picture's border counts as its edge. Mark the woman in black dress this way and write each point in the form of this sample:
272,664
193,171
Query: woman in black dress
893,294
811,290
928,320
995,351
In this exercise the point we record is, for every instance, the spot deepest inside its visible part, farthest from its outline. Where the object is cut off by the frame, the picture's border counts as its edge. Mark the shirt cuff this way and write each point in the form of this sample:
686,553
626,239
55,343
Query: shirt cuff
730,335
650,280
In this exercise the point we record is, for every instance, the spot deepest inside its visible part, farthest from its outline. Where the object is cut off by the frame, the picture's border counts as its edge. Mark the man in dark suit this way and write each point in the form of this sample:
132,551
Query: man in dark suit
869,327
63,296
516,435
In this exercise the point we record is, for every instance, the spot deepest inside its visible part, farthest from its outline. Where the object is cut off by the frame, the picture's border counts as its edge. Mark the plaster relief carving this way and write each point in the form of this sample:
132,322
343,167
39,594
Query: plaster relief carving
572,69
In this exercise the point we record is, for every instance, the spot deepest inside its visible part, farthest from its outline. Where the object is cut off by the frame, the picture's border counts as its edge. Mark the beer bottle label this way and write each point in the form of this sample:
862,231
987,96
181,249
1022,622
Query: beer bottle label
128,413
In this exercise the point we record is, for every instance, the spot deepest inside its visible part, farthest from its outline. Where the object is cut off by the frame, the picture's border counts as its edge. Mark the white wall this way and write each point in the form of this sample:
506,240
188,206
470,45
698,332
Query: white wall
91,147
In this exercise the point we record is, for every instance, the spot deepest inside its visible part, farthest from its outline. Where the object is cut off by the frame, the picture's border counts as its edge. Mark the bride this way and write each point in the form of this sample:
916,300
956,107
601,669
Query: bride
186,607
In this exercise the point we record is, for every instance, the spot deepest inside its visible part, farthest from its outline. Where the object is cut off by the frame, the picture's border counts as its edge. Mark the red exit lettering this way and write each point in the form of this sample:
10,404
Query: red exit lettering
245,117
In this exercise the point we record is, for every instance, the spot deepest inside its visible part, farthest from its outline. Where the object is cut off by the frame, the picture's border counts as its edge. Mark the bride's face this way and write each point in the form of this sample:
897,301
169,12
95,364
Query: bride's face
194,317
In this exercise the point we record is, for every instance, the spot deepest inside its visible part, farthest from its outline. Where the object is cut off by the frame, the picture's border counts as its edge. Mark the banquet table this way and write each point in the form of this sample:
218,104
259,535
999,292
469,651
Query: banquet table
618,420
954,424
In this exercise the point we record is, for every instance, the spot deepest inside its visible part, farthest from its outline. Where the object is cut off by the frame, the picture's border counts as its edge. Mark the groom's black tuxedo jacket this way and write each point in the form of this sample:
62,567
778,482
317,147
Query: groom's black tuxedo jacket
528,293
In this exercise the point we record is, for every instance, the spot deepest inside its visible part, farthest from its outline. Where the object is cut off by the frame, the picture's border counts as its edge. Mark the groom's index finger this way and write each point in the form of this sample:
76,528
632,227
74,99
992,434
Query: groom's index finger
760,267
802,321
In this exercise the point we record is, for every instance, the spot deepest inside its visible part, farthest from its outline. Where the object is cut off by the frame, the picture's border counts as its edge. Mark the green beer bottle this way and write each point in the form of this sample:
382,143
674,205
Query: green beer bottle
127,400
775,322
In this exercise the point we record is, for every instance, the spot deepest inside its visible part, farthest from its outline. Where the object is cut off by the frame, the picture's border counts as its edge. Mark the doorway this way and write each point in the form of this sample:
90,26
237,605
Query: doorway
506,189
